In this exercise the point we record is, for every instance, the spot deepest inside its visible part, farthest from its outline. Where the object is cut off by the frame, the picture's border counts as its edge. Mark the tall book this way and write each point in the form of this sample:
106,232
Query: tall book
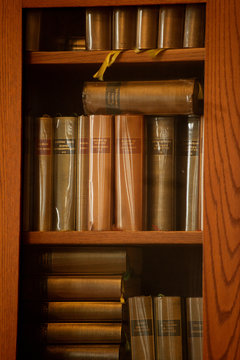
100,172
98,28
129,152
160,97
161,170
43,173
123,28
147,25
141,328
170,26
194,312
81,352
168,327
65,129
82,167
194,26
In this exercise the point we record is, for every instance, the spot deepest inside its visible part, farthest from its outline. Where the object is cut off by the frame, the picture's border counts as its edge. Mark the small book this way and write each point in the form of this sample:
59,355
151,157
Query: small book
170,26
81,352
141,328
123,28
194,312
98,28
194,26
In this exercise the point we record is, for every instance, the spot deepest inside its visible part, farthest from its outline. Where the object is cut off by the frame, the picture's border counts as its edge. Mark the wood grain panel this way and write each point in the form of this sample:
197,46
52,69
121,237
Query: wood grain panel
10,157
222,182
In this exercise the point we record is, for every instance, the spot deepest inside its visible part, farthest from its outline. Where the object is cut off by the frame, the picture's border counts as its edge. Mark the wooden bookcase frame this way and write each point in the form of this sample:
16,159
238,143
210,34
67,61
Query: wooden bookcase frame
221,234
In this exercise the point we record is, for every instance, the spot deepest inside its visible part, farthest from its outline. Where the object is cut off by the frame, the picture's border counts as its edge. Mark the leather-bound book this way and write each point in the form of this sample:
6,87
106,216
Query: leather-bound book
103,311
73,288
161,172
43,174
147,27
168,327
194,312
82,168
98,28
100,172
129,149
141,328
160,97
81,352
64,192
170,26
187,180
194,26
123,28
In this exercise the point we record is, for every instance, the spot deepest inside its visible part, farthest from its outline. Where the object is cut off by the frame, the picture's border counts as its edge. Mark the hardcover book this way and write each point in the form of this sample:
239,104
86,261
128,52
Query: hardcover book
123,28
147,27
194,26
81,352
170,26
194,310
98,28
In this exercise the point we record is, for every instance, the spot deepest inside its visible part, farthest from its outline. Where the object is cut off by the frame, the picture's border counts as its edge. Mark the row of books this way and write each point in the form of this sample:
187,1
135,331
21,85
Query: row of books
120,28
166,328
153,162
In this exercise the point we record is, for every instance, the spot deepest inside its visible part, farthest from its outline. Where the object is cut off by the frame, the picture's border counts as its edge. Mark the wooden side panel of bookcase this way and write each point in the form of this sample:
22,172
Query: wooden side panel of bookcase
10,159
222,182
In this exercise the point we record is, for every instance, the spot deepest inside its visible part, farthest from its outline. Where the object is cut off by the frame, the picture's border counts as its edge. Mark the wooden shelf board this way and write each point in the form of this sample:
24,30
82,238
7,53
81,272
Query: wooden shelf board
112,237
95,57
72,3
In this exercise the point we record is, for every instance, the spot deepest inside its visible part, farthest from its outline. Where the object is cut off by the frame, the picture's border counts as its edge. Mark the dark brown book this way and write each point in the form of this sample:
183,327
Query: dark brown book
170,26
64,179
194,312
161,170
98,28
147,27
194,27
141,328
187,173
43,173
100,172
123,28
168,327
160,97
81,352
82,168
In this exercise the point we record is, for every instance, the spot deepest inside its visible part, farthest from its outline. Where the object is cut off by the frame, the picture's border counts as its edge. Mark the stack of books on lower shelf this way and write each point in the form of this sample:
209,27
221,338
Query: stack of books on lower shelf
73,304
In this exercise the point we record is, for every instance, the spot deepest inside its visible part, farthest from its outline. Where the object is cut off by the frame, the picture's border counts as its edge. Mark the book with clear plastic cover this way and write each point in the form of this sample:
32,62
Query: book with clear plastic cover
194,312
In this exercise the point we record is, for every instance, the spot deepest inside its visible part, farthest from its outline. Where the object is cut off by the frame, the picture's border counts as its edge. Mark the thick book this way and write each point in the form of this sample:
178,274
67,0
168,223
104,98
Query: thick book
64,179
168,327
194,26
100,172
43,173
160,97
188,173
147,27
77,311
161,173
73,288
141,328
123,28
170,26
82,167
98,28
81,352
194,313
129,150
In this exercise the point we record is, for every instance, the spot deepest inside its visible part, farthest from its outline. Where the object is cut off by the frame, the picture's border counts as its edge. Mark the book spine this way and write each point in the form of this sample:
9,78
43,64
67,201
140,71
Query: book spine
194,311
100,172
170,26
82,173
168,328
194,26
43,174
161,165
98,28
64,172
81,352
32,31
161,97
141,328
129,143
123,28
188,152
147,27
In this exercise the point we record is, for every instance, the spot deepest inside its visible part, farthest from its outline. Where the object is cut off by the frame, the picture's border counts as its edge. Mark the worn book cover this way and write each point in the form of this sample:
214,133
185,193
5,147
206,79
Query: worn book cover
194,311
194,26
123,28
170,26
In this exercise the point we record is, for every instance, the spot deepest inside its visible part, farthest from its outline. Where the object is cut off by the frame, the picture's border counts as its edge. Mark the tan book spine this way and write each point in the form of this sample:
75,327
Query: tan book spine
82,173
123,28
43,174
161,165
129,144
194,312
33,29
188,152
65,129
170,26
168,327
81,352
100,172
160,97
141,328
194,26
75,288
73,311
147,27
98,28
